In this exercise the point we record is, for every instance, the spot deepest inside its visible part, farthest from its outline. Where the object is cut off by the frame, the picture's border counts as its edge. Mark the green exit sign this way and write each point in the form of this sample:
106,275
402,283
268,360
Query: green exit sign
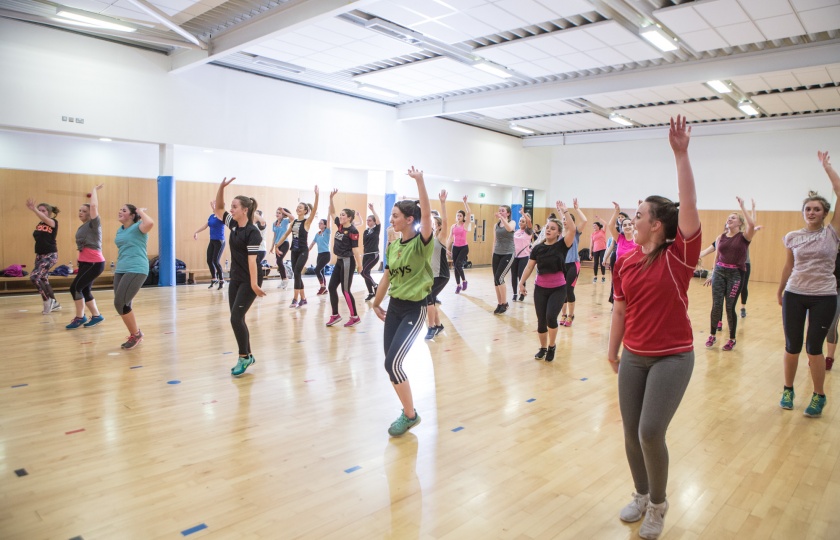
482,195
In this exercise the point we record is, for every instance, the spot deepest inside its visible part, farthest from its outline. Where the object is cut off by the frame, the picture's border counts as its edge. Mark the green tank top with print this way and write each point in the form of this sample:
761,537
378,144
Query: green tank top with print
410,268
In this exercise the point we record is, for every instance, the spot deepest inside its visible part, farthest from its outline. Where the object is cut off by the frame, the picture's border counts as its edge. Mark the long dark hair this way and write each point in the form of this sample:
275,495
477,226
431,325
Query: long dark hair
666,212
249,203
410,208
133,210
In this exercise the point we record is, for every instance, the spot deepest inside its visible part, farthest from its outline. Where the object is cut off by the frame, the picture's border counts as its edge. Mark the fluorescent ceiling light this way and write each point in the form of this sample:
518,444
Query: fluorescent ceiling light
658,38
493,69
618,119
521,129
719,86
75,18
492,185
277,64
748,108
104,139
378,90
456,179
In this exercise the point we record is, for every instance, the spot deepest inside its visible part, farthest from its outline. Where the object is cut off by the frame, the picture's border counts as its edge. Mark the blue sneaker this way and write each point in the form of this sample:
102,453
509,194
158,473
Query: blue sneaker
96,319
814,410
76,322
787,399
242,364
402,424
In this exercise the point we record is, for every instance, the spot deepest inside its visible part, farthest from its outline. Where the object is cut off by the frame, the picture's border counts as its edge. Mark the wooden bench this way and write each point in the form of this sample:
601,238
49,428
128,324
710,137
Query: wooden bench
15,285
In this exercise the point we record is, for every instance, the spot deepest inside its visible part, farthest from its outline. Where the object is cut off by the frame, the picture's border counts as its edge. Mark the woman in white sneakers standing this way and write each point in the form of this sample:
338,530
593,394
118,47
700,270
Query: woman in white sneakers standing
808,289
46,252
651,283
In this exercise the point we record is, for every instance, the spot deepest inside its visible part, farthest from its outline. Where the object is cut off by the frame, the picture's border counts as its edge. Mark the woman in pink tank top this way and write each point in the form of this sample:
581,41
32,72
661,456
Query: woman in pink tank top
458,246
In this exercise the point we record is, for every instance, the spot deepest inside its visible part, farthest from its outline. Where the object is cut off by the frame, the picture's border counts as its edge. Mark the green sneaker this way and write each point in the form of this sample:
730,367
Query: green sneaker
787,399
242,364
814,410
402,424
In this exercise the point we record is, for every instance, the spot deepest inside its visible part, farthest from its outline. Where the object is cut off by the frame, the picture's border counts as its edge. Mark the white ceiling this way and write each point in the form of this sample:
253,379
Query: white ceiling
570,64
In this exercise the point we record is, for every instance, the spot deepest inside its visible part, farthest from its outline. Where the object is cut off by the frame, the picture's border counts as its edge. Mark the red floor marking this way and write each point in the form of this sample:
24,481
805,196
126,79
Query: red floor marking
74,431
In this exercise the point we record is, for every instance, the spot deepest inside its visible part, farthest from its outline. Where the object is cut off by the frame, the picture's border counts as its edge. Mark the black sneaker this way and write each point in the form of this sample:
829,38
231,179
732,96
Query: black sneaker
503,307
438,329
549,354
221,284
743,312
212,284
498,309
370,297
431,333
521,297
540,353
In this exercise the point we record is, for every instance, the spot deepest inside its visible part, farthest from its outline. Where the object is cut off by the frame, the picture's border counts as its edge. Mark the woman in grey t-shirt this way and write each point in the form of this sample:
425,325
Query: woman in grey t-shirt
503,249
91,263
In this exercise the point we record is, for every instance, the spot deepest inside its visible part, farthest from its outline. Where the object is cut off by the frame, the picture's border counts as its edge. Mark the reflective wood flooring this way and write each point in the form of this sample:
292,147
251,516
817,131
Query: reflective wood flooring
161,442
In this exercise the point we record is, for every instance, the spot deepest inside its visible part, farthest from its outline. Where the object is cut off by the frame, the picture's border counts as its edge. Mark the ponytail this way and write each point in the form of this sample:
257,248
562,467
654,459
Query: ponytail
666,212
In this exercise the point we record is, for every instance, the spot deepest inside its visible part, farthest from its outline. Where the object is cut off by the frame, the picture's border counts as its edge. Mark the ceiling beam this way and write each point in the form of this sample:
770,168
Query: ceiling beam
167,22
274,23
789,58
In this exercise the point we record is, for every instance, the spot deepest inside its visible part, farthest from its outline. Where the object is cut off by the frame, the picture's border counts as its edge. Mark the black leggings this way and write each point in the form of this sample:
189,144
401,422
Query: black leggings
547,303
240,298
260,258
501,266
572,271
403,321
459,257
612,266
598,261
437,286
82,283
725,287
283,249
214,256
343,275
321,263
518,267
369,260
299,259
820,312
745,279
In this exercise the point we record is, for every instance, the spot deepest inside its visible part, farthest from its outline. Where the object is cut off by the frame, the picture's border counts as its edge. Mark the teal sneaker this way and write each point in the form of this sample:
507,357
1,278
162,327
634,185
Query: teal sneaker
814,410
77,322
94,320
242,364
787,399
402,424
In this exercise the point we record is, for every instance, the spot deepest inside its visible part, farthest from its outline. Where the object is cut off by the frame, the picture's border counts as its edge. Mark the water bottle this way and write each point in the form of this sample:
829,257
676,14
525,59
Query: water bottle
226,265
70,266
112,266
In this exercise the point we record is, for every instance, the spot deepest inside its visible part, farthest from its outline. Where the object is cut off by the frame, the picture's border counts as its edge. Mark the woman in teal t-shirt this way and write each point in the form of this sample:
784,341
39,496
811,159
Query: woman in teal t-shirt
409,274
132,266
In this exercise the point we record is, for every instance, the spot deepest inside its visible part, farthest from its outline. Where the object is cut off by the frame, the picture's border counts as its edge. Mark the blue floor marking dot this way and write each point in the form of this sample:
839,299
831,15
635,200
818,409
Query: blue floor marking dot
229,352
584,379
530,400
135,367
459,428
20,385
21,472
173,382
200,527
352,469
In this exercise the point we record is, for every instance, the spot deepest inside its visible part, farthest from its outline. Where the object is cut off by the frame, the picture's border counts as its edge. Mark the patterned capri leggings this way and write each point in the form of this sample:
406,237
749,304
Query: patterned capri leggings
40,275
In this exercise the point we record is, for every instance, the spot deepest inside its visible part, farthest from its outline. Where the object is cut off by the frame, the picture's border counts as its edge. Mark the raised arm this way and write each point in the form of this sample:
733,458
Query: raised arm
332,207
611,224
220,198
679,137
375,215
581,222
468,219
749,218
314,209
94,201
425,205
569,237
30,203
258,218
147,222
444,222
835,183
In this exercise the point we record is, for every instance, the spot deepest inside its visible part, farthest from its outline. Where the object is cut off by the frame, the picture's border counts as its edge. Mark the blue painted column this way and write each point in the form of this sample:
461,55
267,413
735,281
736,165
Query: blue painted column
166,216
516,213
390,201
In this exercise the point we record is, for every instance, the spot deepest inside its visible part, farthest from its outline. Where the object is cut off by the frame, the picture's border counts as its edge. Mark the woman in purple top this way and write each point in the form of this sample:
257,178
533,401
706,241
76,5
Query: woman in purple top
730,265
549,257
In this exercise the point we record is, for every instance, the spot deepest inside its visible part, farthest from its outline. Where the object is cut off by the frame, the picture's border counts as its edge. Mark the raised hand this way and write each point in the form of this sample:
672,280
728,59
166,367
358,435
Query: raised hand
562,206
679,135
415,173
30,203
100,186
575,203
370,206
333,192
465,199
226,182
617,207
741,202
442,196
317,191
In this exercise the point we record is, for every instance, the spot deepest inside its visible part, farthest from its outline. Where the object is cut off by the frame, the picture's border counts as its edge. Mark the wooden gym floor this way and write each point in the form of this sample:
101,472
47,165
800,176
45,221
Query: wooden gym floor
161,442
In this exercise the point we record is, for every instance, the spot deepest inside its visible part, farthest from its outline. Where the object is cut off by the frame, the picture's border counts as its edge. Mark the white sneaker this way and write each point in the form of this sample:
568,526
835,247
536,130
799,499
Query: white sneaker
654,521
55,305
636,509
47,306
284,283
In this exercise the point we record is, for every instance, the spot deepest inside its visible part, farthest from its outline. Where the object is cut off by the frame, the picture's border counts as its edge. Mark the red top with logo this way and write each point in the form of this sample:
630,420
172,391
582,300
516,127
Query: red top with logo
656,321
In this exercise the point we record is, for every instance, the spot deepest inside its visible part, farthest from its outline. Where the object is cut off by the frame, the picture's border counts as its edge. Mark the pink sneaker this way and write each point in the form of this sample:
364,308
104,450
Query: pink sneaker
458,289
710,342
464,285
729,345
352,321
333,319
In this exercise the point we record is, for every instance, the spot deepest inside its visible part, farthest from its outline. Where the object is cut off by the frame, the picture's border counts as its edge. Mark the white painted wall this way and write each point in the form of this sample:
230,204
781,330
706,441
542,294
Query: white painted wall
776,168
127,94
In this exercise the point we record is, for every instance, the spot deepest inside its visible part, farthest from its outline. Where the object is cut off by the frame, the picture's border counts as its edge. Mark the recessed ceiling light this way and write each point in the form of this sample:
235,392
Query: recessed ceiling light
104,139
658,38
76,18
378,90
618,119
521,129
719,86
493,69
748,108
492,185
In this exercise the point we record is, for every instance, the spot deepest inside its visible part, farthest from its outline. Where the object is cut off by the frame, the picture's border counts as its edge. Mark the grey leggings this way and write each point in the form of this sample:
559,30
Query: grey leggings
126,287
832,330
726,286
649,391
